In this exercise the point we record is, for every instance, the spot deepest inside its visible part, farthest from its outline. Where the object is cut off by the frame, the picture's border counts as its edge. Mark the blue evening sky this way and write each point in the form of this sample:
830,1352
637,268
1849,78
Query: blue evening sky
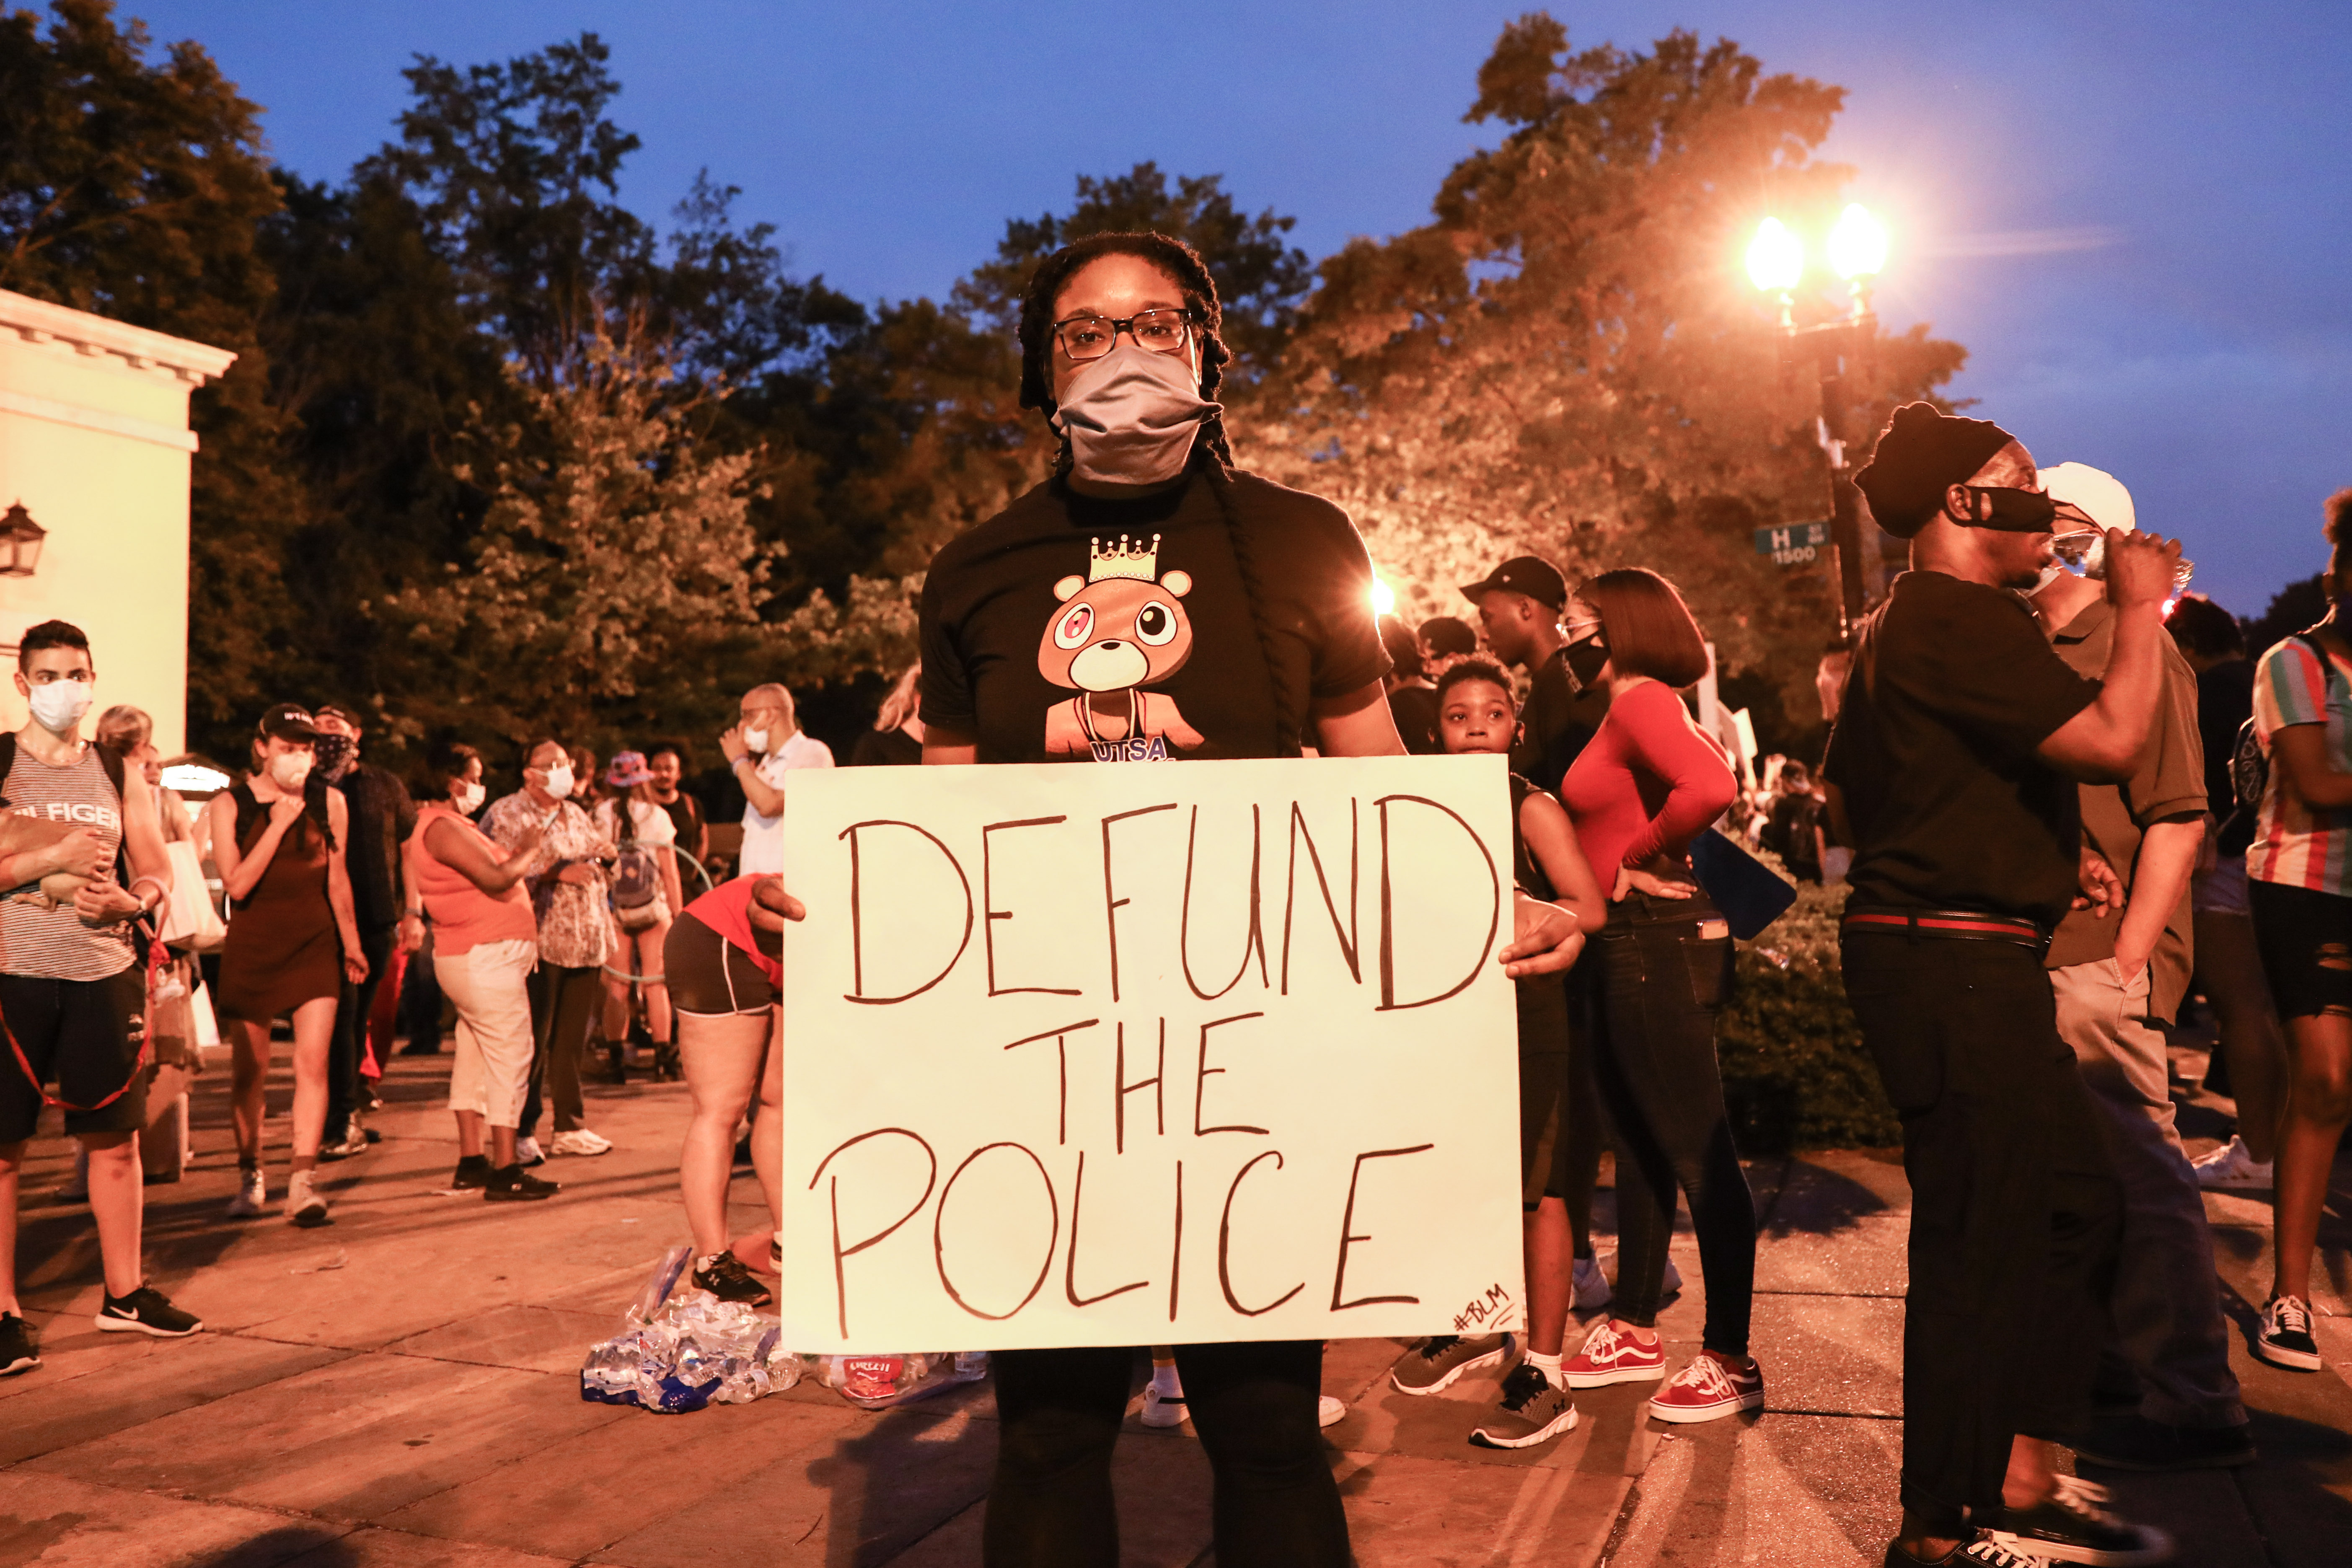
2134,216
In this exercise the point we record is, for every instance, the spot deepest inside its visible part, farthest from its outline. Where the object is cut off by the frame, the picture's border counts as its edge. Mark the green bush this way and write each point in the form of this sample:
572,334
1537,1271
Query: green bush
1795,1075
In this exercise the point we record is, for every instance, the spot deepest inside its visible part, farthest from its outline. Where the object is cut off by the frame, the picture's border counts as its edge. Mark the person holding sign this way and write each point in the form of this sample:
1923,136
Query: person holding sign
1647,785
1146,603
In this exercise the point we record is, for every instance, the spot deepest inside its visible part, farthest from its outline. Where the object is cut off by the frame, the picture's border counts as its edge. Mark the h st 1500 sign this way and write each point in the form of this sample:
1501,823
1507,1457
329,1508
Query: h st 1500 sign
1796,544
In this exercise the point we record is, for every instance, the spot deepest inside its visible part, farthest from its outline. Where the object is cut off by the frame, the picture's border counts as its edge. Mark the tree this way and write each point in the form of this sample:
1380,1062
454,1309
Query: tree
1559,363
614,566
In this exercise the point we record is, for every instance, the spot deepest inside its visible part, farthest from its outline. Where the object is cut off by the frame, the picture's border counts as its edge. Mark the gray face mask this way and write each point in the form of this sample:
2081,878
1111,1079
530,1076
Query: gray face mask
1130,416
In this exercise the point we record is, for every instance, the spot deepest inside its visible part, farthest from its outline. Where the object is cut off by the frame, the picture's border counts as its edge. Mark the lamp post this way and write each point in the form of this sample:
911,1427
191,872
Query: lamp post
1776,265
20,542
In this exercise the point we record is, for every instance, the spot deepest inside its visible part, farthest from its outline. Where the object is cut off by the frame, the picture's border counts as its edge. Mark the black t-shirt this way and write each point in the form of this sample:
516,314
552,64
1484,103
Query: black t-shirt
2225,700
1414,709
687,818
885,748
1953,687
1552,731
1790,831
380,818
1067,627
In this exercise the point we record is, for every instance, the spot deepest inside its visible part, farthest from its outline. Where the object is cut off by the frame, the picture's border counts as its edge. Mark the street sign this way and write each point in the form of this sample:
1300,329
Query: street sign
1794,544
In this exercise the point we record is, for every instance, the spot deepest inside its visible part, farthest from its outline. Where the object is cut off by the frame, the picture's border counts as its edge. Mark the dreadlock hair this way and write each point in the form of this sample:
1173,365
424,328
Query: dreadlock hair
1211,454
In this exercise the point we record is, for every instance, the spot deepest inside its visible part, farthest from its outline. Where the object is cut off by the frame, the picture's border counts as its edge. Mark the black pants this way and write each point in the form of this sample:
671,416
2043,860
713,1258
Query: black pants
564,1003
1661,985
348,1046
420,1003
1058,1413
2014,1210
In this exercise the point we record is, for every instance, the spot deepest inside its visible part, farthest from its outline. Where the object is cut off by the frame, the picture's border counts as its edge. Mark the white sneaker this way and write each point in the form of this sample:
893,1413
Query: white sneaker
1674,1280
578,1141
1592,1289
528,1153
1162,1412
304,1206
2230,1168
1329,1410
252,1195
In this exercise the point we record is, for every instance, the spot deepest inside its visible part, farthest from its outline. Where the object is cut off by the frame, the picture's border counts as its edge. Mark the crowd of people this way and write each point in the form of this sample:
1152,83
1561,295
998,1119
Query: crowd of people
2052,820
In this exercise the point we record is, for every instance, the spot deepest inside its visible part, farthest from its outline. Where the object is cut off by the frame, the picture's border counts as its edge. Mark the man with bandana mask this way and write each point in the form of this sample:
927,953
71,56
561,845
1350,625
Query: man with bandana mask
1960,741
72,985
381,818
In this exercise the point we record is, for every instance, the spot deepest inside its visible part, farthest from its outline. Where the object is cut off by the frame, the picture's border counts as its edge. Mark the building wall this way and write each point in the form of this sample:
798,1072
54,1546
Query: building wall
94,442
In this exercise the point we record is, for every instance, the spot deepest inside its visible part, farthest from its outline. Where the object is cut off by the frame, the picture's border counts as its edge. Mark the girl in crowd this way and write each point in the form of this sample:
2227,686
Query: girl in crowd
646,888
484,941
724,963
566,878
896,736
2300,888
1475,713
1647,784
277,838
1121,350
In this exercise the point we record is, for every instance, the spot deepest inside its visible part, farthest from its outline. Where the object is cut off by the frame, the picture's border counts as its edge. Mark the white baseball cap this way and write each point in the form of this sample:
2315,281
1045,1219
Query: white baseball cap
2097,494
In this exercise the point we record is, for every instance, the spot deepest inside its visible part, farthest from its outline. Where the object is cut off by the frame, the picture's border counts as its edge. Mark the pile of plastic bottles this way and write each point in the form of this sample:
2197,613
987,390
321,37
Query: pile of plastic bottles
682,1353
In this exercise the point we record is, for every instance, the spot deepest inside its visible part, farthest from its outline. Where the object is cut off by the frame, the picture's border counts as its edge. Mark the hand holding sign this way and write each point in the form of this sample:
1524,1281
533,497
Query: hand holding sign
1114,1055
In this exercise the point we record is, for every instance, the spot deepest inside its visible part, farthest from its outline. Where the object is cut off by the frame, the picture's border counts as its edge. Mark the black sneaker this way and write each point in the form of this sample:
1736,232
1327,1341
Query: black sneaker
1533,1409
2073,1525
473,1171
145,1311
2131,1441
1981,1553
516,1185
2285,1339
724,1276
20,1345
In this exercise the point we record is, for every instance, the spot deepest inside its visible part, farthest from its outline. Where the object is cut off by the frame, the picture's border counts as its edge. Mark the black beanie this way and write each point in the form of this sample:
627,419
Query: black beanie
1921,453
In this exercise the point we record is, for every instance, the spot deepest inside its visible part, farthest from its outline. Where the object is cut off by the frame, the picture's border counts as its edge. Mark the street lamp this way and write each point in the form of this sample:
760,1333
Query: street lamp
20,542
1776,265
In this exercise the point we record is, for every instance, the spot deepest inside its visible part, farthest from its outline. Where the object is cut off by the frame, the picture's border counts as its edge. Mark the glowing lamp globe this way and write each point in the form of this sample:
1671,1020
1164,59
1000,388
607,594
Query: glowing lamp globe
1776,258
1858,244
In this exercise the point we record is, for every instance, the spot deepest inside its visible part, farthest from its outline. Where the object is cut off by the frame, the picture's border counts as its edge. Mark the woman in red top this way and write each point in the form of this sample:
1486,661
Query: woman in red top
724,966
1647,784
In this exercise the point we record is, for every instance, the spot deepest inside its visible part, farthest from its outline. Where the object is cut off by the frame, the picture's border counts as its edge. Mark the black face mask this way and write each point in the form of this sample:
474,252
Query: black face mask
335,755
1585,659
2024,512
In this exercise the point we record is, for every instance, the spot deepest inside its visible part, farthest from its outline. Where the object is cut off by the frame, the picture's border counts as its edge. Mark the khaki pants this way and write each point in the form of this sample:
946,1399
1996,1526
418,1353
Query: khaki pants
2167,1302
488,984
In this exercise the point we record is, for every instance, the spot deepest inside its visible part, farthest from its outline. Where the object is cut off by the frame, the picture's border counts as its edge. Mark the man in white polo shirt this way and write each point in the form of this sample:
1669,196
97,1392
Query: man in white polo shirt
768,743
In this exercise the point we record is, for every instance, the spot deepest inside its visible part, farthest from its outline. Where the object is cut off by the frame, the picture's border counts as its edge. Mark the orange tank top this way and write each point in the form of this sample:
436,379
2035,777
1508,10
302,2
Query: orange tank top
463,916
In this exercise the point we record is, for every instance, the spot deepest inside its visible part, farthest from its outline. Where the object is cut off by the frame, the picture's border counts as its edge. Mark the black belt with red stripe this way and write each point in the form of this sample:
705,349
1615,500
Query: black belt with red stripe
1962,925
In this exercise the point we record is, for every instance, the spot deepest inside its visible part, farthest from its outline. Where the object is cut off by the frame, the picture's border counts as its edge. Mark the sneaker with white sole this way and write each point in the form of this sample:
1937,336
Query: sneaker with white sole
20,1345
528,1153
1436,1362
145,1311
354,1142
1708,1388
2074,1524
1610,1357
1162,1412
2284,1339
1330,1411
252,1195
578,1141
304,1206
1592,1287
1533,1409
2232,1168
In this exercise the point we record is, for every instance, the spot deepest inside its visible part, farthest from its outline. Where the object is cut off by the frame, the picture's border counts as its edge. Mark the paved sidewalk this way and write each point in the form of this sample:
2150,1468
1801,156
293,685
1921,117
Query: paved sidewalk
399,1391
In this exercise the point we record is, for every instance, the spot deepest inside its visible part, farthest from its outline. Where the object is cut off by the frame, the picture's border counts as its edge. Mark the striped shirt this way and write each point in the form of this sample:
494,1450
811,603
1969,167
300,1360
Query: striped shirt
53,944
2293,844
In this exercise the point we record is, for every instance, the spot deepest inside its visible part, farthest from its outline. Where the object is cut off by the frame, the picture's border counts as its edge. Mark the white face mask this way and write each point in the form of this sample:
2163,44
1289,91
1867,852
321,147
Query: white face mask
58,706
287,770
1131,414
467,798
757,740
559,780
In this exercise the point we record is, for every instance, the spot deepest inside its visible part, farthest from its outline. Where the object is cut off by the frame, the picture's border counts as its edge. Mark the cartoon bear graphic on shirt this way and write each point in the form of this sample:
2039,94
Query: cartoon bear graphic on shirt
1121,627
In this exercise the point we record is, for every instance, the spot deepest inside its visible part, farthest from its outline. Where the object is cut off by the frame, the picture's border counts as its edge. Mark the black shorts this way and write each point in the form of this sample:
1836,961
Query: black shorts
710,975
1543,1089
2305,939
84,1037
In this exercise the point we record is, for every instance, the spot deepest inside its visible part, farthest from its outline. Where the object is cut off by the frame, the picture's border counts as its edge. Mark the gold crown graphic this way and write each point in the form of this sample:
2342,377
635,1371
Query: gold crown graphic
1139,560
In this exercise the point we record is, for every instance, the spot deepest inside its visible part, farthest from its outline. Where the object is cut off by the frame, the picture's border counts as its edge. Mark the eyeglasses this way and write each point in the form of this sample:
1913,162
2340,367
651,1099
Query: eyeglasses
1091,337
